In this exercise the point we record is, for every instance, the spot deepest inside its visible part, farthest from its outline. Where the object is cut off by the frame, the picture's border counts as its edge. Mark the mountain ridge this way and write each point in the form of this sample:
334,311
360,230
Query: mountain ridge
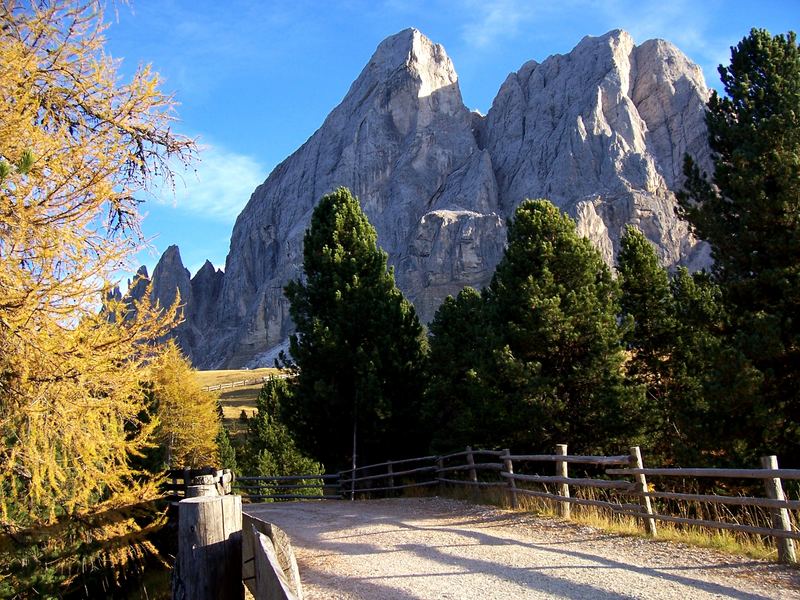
601,131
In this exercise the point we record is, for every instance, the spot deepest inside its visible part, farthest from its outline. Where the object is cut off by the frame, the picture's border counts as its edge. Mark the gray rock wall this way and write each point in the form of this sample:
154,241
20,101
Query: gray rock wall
600,131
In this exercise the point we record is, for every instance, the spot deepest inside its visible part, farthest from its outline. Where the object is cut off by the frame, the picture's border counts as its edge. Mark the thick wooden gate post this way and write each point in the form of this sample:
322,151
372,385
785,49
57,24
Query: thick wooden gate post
562,470
780,516
209,563
640,486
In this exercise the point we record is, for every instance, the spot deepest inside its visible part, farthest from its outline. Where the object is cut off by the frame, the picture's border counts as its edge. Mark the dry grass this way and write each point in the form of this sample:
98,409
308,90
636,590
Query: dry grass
238,399
730,542
205,378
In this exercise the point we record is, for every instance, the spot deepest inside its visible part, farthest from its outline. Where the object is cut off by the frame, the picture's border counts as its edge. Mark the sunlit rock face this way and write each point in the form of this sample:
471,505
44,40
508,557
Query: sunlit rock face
600,131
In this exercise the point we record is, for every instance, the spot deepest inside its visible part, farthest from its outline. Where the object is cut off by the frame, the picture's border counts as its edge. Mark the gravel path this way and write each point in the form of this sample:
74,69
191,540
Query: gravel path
404,549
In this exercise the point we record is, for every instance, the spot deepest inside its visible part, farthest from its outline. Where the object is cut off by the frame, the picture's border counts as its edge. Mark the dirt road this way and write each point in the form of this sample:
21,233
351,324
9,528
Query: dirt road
406,549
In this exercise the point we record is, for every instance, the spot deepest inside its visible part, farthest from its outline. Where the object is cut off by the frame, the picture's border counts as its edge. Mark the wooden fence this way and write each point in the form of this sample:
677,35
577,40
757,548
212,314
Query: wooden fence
295,487
243,382
620,484
189,483
210,522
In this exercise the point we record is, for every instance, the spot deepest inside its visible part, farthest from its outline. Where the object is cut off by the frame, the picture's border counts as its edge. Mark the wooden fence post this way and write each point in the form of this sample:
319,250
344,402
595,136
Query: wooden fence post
439,467
562,470
780,516
202,485
391,474
509,467
342,490
473,474
187,481
640,486
209,563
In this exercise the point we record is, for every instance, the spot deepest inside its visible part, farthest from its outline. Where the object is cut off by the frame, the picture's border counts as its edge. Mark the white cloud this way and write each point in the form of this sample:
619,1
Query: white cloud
217,186
495,19
694,35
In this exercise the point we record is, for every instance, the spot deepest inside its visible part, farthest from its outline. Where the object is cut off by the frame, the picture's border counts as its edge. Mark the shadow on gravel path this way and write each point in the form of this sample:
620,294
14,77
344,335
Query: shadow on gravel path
414,549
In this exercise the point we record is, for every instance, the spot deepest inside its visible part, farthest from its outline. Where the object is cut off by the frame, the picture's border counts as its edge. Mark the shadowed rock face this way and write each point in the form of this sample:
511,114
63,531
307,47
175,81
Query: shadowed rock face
198,297
600,131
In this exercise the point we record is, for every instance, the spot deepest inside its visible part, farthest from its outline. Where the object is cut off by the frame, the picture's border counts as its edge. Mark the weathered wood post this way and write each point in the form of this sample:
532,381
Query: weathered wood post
509,467
390,471
202,485
640,485
473,474
439,467
227,479
209,562
562,470
780,516
341,481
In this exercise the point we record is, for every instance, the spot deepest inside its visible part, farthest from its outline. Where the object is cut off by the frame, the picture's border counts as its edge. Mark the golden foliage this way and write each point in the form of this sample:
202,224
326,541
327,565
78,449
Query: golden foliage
94,550
75,148
187,416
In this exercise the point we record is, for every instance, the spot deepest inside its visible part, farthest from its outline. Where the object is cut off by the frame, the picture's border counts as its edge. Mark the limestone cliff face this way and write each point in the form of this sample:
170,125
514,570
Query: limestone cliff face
402,141
600,131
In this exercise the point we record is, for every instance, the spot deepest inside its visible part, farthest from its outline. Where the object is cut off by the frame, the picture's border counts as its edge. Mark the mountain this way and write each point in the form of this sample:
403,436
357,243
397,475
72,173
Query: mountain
199,296
600,131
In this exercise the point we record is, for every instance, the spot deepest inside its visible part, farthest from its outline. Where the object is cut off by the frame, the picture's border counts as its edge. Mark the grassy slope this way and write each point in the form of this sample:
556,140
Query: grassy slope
234,400
216,377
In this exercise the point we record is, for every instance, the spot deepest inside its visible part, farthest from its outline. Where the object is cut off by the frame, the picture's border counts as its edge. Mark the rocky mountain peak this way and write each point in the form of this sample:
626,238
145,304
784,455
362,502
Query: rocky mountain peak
169,277
138,285
601,131
207,271
412,52
409,78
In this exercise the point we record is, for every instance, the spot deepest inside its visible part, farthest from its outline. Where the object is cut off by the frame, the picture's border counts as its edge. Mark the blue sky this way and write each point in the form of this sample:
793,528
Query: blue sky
255,79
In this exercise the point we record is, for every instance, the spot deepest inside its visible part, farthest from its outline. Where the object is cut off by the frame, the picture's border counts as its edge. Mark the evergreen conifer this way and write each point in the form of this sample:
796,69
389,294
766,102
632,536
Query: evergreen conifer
749,212
557,355
359,346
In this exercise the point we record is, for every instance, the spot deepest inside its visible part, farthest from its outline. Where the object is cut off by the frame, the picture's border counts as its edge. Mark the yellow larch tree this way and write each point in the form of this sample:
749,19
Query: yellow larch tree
77,149
188,420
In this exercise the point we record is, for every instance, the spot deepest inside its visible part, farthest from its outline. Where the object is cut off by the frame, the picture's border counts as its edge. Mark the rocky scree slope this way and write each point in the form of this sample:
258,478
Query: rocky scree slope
600,131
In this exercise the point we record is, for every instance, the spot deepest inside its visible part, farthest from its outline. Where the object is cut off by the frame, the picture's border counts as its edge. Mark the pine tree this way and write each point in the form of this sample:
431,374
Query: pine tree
455,401
748,212
717,415
552,307
696,384
359,346
269,448
646,300
646,297
226,450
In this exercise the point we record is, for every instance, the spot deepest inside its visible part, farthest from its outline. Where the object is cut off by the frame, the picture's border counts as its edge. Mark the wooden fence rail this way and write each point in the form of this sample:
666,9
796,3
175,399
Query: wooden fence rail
189,483
243,382
278,487
622,479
